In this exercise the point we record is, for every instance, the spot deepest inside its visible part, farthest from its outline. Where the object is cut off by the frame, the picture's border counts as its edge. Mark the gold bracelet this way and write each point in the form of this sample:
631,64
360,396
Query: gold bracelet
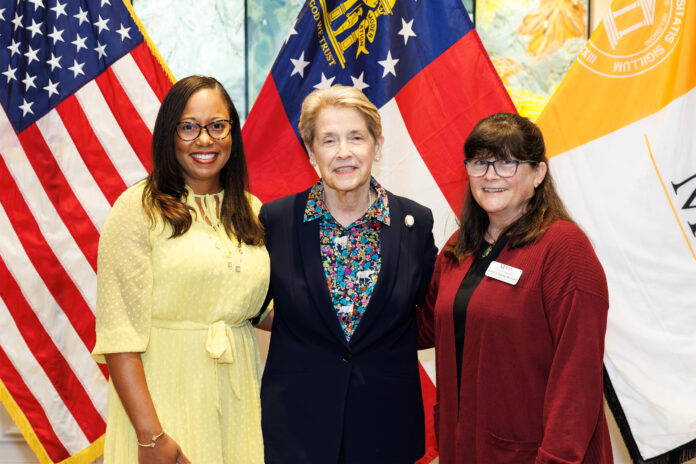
154,438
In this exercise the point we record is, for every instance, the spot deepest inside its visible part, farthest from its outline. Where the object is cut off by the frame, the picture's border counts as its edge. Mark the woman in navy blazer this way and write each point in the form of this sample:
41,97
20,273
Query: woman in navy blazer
349,263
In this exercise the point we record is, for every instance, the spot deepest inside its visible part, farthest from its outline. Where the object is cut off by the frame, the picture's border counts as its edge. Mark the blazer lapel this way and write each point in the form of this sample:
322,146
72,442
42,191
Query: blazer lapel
390,237
315,279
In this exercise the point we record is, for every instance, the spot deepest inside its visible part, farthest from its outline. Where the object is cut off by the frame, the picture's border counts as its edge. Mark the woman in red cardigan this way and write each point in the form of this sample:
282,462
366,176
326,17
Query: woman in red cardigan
517,311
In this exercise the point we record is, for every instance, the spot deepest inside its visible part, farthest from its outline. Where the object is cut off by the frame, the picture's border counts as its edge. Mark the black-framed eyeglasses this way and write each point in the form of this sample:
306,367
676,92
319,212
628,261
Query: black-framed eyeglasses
477,167
189,130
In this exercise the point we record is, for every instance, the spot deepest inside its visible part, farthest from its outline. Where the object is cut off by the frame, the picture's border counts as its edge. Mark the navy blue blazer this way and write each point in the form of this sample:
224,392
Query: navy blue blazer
319,392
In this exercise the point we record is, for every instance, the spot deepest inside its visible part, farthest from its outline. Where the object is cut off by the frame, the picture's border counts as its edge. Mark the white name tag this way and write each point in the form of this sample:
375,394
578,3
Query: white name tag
504,273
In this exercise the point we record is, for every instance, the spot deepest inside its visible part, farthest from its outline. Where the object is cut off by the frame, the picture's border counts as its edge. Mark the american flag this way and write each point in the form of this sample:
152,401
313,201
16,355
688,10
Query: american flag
80,92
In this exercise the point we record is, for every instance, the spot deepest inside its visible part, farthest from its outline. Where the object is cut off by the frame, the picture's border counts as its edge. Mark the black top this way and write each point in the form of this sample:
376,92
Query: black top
471,280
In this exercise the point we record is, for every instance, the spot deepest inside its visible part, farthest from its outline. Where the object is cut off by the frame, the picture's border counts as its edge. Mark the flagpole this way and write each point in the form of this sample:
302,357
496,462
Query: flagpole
246,61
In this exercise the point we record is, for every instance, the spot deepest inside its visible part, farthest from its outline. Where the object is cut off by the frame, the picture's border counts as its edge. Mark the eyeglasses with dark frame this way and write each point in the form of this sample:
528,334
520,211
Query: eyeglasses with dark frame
477,167
189,131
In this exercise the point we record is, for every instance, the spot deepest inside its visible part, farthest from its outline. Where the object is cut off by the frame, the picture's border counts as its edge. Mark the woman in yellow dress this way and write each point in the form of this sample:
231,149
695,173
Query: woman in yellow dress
181,271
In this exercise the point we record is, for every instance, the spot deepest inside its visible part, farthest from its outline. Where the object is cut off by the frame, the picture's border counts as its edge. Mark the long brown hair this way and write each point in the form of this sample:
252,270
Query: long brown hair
165,186
504,136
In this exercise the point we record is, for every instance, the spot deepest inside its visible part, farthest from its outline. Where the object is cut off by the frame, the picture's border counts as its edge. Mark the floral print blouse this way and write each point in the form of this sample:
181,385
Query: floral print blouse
351,256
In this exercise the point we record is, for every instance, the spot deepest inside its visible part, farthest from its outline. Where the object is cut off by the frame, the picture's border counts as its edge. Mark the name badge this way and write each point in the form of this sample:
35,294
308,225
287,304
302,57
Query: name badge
504,273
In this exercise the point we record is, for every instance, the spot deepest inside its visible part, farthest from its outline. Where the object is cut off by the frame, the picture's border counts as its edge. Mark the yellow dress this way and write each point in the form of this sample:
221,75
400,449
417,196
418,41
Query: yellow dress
185,304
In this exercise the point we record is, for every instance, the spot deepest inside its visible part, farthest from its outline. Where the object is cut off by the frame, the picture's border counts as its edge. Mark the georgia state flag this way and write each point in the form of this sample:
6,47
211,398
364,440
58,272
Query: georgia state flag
422,64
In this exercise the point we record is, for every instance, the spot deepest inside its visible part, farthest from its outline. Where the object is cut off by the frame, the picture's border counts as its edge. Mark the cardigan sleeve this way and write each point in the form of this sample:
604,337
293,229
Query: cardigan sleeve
124,278
575,298
426,313
429,256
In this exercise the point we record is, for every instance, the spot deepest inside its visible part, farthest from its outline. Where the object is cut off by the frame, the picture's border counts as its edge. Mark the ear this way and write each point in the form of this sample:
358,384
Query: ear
379,143
540,173
312,158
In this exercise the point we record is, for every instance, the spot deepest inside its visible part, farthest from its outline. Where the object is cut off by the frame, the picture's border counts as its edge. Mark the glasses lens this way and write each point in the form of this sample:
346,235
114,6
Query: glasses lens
219,129
506,167
188,130
476,167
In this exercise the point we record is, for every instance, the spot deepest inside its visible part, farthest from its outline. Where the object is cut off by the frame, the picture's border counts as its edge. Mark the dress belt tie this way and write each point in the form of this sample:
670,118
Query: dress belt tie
219,345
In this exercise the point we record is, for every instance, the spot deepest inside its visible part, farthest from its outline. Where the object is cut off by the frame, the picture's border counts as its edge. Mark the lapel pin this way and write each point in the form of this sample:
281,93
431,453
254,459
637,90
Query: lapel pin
409,221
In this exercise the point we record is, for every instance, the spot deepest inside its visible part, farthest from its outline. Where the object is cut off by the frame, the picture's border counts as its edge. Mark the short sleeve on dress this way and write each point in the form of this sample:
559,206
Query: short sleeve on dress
124,278
254,202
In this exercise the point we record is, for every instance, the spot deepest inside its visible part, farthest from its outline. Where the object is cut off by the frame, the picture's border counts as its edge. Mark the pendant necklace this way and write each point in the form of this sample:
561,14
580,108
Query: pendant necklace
489,248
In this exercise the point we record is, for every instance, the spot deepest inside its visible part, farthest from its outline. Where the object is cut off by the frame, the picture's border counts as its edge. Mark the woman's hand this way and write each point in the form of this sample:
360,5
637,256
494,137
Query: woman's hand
165,451
266,323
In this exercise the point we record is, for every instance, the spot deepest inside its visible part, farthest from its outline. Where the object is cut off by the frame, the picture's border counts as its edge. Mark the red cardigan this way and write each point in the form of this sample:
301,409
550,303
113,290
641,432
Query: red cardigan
531,386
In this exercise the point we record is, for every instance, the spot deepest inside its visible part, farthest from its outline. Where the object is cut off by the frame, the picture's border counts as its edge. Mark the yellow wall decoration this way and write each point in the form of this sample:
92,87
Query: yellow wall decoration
532,43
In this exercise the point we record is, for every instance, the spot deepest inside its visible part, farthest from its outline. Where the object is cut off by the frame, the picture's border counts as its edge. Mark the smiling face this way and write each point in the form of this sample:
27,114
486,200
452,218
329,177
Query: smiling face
343,149
202,159
505,199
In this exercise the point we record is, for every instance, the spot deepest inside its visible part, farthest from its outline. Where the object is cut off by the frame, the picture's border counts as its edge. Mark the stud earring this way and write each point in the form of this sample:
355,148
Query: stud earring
312,162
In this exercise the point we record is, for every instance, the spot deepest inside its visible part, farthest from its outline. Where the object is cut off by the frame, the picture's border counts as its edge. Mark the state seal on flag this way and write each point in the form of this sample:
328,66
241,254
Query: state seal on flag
619,47
351,22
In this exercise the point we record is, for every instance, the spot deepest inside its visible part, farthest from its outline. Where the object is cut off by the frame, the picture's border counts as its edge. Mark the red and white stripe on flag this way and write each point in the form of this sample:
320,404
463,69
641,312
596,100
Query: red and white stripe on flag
59,176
